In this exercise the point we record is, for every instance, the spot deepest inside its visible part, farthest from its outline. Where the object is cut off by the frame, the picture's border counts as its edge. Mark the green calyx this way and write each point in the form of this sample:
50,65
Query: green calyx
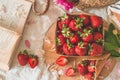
86,33
69,44
33,56
24,52
79,22
66,32
81,44
84,63
58,41
65,16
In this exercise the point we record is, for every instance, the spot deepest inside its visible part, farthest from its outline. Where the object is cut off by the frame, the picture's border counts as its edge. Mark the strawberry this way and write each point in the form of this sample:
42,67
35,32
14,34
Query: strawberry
86,19
96,49
61,61
68,48
76,24
74,39
60,24
82,68
91,68
96,21
70,72
60,39
98,37
85,44
33,61
80,49
89,76
23,58
63,21
87,35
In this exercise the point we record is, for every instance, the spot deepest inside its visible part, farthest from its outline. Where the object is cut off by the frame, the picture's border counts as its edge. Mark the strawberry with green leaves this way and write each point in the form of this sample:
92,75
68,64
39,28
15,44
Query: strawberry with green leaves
82,68
61,61
96,21
70,72
86,19
91,66
74,39
64,21
60,39
89,76
33,61
98,37
80,49
87,35
76,24
95,49
23,57
68,48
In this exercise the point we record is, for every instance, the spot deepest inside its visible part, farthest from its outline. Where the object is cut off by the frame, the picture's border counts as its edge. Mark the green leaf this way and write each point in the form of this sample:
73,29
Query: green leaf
109,46
115,53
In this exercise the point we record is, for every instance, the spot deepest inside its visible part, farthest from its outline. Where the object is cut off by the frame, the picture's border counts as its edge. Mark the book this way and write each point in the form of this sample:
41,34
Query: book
13,15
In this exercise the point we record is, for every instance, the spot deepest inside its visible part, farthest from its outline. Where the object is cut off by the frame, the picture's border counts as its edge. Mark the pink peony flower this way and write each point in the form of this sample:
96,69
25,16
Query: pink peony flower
67,5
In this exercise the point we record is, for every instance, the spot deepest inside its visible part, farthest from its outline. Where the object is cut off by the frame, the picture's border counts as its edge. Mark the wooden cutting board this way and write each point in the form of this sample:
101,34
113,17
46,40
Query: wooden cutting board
51,56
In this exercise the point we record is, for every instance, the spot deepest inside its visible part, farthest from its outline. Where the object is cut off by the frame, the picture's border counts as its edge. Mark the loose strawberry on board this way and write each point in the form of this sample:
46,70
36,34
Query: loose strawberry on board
68,48
89,76
96,21
33,61
74,39
61,61
98,37
86,19
70,72
80,49
23,57
87,35
60,39
96,49
82,68
76,24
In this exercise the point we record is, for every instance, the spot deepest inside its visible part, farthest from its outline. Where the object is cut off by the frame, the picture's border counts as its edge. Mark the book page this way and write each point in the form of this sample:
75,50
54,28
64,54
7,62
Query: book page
13,14
8,41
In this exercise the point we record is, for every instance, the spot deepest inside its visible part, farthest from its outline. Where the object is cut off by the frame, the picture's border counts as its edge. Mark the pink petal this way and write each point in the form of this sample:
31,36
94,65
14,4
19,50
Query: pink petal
27,43
4,8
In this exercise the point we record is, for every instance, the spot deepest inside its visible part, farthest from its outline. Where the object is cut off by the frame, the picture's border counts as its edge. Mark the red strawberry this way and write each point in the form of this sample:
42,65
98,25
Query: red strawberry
98,36
89,76
75,25
60,39
61,61
64,21
80,49
60,24
33,61
74,39
87,35
86,19
82,68
91,68
96,49
23,58
70,72
85,44
59,49
68,49
96,21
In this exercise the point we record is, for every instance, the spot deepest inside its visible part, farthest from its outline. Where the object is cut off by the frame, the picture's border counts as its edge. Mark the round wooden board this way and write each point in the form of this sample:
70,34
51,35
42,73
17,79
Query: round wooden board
51,56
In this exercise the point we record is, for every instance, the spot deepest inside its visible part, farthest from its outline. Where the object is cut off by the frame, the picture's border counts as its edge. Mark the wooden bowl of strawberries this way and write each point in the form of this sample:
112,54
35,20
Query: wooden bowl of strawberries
79,34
